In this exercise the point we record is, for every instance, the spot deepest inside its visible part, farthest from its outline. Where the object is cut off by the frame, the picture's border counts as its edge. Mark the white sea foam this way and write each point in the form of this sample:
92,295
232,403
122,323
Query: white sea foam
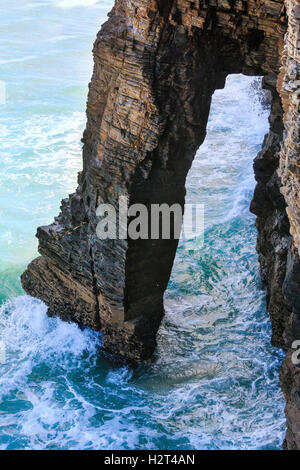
231,113
40,158
31,336
17,59
79,3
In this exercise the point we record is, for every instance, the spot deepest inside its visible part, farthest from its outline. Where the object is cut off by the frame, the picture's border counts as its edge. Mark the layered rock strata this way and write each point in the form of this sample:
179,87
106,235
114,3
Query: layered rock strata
276,203
156,65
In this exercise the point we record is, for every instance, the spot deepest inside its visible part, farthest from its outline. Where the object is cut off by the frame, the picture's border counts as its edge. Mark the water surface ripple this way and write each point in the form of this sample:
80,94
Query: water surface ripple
213,382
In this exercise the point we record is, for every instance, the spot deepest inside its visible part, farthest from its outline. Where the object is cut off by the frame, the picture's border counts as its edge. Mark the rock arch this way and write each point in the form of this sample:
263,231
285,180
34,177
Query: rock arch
156,65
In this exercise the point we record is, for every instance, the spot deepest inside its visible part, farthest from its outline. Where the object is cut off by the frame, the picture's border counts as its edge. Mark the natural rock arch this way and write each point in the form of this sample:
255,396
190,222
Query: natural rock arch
156,65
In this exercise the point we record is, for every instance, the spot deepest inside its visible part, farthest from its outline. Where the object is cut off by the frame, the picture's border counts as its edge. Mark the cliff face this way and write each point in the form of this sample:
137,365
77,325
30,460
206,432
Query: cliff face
276,203
290,180
157,64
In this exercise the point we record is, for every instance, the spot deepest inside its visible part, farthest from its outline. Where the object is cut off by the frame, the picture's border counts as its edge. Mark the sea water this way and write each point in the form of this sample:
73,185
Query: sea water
213,381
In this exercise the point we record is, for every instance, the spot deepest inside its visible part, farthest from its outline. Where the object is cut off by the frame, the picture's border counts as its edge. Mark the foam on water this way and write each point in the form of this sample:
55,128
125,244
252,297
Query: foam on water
76,3
213,382
40,159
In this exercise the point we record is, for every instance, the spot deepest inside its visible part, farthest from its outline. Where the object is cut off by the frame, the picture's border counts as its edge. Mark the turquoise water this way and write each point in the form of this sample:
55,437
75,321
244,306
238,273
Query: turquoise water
213,382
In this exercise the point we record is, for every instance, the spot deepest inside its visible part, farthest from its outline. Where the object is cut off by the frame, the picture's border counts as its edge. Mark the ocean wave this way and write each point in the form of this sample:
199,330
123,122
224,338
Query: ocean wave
16,60
82,3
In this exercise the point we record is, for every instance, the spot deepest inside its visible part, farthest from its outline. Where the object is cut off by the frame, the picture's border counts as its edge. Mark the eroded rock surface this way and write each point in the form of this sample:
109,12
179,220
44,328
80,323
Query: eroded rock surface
156,65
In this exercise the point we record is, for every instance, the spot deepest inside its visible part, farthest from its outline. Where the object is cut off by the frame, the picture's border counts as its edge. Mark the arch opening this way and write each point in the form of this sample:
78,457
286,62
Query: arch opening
141,146
216,330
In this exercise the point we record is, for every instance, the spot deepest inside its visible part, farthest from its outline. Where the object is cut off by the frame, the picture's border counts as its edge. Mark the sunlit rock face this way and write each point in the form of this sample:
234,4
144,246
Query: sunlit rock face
156,65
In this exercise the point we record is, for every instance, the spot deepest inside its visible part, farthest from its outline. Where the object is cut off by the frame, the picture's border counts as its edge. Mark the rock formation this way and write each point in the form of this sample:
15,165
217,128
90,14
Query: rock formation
156,65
